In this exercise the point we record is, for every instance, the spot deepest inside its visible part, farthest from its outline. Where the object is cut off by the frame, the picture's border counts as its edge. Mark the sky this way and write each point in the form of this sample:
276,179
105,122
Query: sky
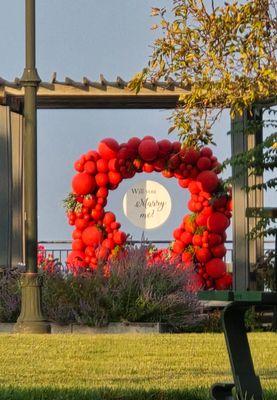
86,38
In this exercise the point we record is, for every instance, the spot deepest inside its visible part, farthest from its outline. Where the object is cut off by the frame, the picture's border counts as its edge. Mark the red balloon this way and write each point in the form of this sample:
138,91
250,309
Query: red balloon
108,148
90,167
78,245
101,179
177,233
102,165
134,142
209,181
219,251
114,177
148,167
148,150
204,163
83,183
79,166
76,258
186,238
224,283
203,255
119,237
109,218
108,243
206,152
165,147
178,247
215,268
92,236
217,222
190,155
113,165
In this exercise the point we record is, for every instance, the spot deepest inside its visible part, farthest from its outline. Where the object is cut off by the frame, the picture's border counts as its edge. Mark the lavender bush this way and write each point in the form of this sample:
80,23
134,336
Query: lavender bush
140,292
57,297
132,291
9,294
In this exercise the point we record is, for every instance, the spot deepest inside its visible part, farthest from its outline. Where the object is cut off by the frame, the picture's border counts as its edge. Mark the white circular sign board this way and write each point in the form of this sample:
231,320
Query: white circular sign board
147,204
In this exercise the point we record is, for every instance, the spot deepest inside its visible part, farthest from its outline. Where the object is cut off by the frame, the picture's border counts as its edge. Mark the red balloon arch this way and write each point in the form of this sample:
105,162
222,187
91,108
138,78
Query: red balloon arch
198,241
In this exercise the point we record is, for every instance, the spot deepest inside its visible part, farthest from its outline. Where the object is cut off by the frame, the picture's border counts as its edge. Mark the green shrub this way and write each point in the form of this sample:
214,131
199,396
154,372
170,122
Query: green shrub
9,294
133,291
140,292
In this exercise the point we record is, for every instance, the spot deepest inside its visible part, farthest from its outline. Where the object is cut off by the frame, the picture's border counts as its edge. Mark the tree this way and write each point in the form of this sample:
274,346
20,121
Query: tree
226,58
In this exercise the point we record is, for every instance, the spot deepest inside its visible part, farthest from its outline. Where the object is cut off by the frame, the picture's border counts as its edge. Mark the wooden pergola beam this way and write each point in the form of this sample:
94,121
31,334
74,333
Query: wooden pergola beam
103,94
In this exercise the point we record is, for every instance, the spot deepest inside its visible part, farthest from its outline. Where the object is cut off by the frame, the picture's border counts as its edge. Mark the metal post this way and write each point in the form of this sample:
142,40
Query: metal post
31,319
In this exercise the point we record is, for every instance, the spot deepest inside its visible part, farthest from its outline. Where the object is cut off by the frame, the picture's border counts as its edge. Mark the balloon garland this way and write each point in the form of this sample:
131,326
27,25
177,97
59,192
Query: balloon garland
198,241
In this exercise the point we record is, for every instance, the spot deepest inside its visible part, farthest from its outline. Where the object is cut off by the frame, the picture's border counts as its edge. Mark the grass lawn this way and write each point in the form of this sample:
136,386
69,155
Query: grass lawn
124,366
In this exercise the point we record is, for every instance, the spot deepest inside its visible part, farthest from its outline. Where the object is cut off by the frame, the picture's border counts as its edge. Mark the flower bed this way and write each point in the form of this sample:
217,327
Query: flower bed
133,291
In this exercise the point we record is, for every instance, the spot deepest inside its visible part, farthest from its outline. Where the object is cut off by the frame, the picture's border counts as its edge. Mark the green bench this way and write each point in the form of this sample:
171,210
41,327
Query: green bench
247,385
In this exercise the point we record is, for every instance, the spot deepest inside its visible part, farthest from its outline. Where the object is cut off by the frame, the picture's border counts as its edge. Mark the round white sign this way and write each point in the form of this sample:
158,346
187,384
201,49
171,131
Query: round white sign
147,204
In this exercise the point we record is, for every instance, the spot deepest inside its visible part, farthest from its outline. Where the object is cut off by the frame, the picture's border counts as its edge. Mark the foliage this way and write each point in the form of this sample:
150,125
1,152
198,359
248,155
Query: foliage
126,367
254,320
9,294
225,57
131,291
212,323
155,293
260,159
264,271
57,297
70,202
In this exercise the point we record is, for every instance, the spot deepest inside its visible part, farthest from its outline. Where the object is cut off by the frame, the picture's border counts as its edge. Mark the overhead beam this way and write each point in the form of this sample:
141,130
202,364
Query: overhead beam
103,94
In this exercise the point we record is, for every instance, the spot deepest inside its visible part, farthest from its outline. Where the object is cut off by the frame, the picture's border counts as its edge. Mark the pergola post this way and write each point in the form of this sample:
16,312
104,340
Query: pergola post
246,133
11,196
6,187
31,319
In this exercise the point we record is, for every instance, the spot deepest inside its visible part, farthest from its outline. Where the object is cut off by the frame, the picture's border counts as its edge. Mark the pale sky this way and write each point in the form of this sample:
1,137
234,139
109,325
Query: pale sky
86,38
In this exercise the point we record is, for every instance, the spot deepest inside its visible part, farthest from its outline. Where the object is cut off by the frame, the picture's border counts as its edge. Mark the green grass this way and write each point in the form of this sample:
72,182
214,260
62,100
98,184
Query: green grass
121,367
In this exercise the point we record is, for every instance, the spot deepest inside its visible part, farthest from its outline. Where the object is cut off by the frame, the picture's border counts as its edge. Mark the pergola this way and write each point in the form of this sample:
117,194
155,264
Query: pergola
70,94
19,101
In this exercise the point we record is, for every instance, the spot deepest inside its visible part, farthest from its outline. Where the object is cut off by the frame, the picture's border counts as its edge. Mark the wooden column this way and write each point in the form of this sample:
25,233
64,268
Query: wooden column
11,220
246,252
5,187
255,198
18,248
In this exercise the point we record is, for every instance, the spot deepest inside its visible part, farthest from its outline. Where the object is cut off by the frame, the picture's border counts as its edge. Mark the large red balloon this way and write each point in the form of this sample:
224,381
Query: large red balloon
217,222
92,236
83,183
216,268
209,181
108,148
148,150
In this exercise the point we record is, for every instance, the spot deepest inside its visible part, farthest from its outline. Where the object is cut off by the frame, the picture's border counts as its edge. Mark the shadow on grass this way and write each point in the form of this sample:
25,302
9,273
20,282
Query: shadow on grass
109,394
47,393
